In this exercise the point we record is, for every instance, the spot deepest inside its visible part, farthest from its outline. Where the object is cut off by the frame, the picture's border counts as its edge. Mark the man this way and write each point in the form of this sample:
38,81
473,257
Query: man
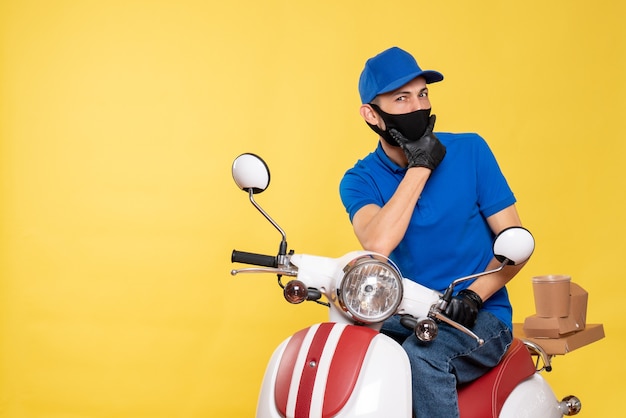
433,203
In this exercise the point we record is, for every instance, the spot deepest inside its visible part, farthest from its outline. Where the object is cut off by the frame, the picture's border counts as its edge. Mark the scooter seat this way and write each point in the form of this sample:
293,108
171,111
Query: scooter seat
484,397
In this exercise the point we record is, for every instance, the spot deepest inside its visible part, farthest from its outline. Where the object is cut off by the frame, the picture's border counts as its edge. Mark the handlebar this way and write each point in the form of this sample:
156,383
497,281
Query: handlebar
254,259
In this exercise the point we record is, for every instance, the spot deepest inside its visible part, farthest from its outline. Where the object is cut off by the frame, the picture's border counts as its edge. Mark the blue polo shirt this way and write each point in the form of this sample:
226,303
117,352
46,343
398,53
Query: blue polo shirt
448,236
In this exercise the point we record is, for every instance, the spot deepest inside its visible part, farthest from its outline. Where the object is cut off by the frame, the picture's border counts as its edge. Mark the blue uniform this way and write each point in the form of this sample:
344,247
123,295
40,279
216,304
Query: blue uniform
448,235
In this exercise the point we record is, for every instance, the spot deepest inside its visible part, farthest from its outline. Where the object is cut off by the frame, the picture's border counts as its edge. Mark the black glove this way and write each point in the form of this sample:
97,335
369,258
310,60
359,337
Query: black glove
464,307
425,152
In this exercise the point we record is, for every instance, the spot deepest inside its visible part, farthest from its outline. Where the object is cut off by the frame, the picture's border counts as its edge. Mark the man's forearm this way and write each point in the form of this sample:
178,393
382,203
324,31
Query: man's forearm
381,229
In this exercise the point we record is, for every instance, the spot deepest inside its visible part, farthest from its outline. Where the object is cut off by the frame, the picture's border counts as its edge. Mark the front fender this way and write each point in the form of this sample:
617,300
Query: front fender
337,370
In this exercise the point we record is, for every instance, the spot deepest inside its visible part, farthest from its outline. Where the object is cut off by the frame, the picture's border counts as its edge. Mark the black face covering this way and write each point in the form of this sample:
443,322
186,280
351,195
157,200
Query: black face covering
412,125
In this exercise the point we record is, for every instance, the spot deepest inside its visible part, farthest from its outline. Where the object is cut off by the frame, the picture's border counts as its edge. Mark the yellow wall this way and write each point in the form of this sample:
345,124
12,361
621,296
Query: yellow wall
119,121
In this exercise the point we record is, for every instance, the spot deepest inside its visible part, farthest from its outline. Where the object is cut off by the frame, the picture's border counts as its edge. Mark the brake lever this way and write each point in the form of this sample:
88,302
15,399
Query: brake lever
282,271
435,314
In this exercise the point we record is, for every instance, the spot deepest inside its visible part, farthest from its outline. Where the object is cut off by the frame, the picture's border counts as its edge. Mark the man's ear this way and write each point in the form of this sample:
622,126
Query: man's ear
369,114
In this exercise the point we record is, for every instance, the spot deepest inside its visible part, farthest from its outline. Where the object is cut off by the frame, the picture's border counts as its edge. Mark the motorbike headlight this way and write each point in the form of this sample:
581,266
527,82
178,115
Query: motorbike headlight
371,289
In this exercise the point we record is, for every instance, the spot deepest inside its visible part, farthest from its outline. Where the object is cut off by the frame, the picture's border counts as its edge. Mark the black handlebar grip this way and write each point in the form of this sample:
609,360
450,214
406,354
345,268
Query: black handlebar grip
252,258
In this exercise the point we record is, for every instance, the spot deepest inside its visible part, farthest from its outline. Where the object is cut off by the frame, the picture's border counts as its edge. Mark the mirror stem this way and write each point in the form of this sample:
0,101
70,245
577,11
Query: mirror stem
282,250
448,294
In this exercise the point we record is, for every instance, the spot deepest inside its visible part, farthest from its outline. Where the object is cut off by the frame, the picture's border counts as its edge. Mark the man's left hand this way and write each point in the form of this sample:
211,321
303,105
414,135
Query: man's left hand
425,152
464,307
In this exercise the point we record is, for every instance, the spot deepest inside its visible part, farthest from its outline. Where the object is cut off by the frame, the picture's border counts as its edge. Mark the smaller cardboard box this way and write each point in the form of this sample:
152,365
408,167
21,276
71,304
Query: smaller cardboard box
535,326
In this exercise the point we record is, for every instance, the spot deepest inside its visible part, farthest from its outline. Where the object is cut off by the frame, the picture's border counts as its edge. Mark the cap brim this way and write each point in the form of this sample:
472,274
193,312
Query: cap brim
429,75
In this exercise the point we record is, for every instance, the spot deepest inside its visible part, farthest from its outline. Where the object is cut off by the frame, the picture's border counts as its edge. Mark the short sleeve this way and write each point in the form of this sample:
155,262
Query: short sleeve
494,193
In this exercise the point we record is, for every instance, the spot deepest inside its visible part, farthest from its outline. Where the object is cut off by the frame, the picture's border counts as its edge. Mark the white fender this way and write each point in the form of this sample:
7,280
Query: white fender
532,398
383,386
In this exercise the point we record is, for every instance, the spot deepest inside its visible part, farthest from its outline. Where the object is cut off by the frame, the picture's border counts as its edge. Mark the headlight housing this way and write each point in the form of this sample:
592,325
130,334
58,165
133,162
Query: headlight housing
371,289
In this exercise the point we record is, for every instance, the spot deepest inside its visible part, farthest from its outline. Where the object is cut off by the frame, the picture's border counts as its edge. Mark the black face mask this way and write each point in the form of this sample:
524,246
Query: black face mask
412,125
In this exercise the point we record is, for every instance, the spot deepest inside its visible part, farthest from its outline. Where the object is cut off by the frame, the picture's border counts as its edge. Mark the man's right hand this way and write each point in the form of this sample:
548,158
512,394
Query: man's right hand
425,152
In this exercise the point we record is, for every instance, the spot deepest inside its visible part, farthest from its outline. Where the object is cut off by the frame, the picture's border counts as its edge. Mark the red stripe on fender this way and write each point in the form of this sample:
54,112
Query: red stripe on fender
346,367
307,380
285,370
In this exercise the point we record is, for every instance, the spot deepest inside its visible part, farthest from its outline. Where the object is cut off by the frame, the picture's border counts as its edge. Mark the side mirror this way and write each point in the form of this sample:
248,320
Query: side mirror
251,173
513,245
253,176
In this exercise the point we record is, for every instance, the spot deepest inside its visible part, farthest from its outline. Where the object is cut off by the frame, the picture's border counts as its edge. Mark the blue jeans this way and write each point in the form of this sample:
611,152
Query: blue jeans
453,358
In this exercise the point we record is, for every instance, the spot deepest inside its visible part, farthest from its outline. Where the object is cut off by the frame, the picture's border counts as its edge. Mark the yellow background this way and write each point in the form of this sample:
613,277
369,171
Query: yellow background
119,121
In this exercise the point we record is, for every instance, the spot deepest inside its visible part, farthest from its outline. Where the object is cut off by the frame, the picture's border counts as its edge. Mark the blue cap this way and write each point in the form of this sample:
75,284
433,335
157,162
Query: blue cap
390,70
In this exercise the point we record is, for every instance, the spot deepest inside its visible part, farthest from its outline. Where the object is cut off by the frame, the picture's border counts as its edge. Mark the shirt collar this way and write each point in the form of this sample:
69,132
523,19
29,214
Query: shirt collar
387,162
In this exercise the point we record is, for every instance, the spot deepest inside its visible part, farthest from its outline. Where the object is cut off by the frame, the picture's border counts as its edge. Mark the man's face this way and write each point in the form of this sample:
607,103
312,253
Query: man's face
406,109
408,98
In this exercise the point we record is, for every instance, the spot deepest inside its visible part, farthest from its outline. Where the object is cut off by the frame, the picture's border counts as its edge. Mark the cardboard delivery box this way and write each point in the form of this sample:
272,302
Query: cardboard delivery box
560,324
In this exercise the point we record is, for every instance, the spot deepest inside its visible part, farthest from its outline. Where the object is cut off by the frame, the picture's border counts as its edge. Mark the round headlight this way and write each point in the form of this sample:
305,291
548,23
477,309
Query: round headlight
371,289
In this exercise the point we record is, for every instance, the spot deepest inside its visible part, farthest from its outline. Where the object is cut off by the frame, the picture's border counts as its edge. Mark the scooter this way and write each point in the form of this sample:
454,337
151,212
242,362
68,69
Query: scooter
346,367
